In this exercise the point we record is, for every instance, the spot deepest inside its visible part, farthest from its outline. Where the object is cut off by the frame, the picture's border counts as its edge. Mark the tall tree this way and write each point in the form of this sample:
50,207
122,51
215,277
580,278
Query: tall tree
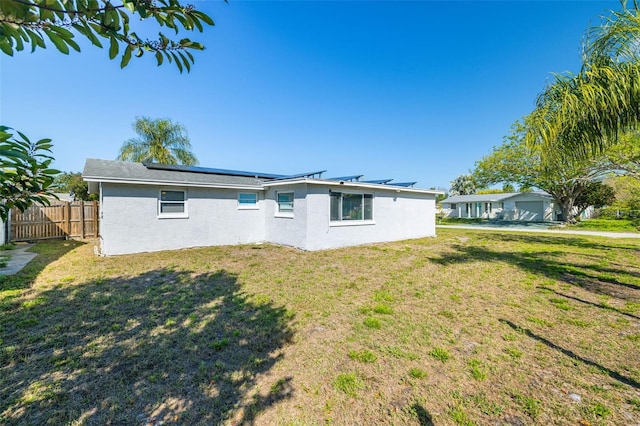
159,140
463,185
562,175
25,176
27,22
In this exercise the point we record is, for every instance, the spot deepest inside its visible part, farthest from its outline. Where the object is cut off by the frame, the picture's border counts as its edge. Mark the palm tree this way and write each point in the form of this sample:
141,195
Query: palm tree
587,111
618,37
160,141
463,185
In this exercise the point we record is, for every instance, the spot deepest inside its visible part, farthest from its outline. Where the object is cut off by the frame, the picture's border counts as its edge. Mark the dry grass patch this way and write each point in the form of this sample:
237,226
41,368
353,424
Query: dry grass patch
470,327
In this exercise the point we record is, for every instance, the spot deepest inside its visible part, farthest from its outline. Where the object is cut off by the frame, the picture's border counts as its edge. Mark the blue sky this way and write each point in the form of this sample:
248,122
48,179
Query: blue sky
415,90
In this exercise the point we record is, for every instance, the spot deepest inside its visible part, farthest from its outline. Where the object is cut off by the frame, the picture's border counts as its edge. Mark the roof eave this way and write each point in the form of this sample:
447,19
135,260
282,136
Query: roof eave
343,184
257,187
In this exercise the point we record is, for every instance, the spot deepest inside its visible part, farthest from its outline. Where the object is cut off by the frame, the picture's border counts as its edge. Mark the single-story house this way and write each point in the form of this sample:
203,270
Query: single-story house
149,207
524,206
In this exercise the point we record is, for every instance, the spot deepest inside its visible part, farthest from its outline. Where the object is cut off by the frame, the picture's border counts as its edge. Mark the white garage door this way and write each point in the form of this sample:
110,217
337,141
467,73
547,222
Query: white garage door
530,210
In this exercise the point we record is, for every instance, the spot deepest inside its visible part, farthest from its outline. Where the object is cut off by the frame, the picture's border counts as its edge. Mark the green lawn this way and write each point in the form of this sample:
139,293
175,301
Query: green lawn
470,327
609,225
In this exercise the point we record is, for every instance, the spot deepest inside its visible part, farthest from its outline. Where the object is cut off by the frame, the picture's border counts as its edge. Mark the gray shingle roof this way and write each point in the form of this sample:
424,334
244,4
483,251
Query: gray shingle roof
487,198
108,170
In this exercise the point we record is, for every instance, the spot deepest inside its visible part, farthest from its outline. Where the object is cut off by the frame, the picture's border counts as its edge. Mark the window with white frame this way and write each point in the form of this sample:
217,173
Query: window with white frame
172,203
349,206
285,202
247,200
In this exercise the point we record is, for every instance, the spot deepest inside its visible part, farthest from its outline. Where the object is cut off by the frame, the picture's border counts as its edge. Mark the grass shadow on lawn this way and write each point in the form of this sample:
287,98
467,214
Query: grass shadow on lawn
166,345
563,241
586,302
611,373
618,283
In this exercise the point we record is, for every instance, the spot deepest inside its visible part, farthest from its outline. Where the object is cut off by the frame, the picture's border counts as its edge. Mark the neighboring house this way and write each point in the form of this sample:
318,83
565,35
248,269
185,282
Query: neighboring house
150,207
523,206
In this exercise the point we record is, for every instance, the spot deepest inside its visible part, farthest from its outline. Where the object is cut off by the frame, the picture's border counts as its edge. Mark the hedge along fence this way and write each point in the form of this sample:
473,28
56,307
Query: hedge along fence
61,219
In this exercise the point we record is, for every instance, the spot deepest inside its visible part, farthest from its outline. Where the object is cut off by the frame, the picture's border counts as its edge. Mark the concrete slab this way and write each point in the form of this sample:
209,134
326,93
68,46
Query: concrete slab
19,257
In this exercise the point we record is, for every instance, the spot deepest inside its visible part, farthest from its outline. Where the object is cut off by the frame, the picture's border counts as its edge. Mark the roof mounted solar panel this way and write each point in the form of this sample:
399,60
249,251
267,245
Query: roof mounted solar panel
211,171
347,178
405,184
301,175
380,181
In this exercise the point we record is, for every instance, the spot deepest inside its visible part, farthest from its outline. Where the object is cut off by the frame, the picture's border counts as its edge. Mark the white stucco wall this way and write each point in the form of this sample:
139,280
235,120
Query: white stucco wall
283,228
130,223
396,216
129,220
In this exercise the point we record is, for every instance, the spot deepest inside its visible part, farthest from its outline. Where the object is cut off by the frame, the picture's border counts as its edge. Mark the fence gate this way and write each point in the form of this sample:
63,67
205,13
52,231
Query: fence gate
59,220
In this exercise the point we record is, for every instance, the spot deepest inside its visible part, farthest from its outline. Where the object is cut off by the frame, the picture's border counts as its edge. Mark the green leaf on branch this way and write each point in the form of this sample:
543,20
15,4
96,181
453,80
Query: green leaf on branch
57,41
126,57
113,48
24,171
61,20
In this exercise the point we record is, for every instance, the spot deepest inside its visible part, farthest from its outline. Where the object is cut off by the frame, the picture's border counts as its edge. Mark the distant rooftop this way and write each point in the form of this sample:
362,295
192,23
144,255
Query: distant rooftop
480,198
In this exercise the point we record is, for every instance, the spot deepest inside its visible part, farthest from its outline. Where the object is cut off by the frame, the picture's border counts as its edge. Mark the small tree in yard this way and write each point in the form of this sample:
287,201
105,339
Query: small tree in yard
595,194
25,175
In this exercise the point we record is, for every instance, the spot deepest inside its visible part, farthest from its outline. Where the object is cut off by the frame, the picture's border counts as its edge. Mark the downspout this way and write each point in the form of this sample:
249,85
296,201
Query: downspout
99,250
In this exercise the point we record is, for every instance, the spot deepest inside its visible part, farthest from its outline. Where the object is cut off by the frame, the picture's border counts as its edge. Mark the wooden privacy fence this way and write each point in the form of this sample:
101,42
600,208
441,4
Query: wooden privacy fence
59,220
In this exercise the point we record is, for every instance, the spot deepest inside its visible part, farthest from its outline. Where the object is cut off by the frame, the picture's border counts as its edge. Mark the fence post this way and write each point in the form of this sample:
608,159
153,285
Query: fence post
82,218
68,221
